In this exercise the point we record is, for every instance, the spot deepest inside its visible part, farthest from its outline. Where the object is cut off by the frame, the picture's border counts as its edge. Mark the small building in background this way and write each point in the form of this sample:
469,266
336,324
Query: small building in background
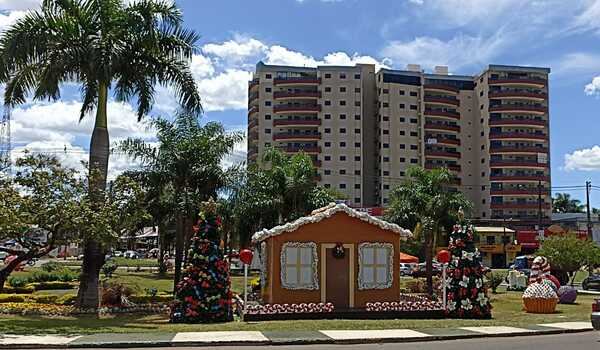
498,245
577,222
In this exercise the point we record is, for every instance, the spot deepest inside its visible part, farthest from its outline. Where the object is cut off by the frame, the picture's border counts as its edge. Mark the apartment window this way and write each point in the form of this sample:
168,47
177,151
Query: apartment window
386,187
357,186
414,161
482,146
483,174
268,76
481,107
401,92
356,76
413,107
402,119
482,133
267,131
386,118
357,131
267,89
413,93
267,117
327,103
414,120
481,93
356,172
402,106
327,185
342,130
385,105
414,147
402,133
481,120
342,158
267,144
482,160
385,200
327,144
357,144
342,144
414,133
402,160
357,117
386,91
402,173
357,103
267,103
327,158
386,145
327,88
342,116
342,89
342,75
483,201
386,173
402,146
327,130
327,172
342,186
342,171
342,103
356,199
357,158
385,131
327,116
327,75
356,89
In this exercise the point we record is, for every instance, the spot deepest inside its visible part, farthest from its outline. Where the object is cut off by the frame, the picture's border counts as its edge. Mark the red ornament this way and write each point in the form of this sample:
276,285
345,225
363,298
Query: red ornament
443,256
246,256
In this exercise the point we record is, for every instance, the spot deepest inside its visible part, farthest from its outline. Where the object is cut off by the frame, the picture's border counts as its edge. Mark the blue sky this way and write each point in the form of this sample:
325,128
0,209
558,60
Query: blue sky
466,35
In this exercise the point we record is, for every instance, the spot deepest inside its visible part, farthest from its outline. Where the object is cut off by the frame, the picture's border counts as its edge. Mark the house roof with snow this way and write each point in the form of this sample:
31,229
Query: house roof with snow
327,212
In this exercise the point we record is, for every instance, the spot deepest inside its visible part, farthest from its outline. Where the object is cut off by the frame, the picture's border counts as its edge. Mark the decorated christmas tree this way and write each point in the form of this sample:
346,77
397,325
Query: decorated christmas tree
204,293
466,294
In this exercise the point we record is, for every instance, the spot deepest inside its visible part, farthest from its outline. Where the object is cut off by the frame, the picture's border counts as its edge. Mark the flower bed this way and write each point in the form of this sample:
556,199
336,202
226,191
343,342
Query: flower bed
402,306
37,309
270,309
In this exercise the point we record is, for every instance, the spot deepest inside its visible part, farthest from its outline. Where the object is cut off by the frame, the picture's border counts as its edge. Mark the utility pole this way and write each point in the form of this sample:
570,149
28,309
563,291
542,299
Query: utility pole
588,187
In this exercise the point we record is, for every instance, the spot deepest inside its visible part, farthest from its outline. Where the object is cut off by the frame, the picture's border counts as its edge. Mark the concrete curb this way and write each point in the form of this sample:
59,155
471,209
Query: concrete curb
71,343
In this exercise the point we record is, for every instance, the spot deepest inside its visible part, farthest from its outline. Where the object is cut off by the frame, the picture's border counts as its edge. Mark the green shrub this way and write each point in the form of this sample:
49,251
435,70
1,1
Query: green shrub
113,293
42,276
52,285
19,290
67,299
494,279
66,275
52,266
109,268
17,281
12,298
45,298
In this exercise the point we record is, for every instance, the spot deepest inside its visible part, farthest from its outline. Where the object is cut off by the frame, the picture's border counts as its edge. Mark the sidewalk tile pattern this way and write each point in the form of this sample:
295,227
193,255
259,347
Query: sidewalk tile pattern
374,334
569,325
219,337
35,339
494,330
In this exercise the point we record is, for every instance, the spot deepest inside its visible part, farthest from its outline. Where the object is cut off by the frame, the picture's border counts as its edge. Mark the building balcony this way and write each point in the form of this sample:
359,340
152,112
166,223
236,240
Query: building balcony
537,82
441,87
442,154
253,135
253,124
297,81
452,167
517,205
517,136
286,136
430,139
518,95
518,122
519,178
297,108
296,122
278,95
444,127
308,149
520,149
435,113
252,84
517,164
519,192
519,109
442,100
252,110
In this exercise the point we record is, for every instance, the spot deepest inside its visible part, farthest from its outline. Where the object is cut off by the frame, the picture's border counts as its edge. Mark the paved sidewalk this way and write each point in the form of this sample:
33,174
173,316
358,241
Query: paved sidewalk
281,337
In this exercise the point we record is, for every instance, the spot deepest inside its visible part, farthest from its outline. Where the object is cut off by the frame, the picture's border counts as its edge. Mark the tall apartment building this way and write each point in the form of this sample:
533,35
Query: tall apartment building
364,128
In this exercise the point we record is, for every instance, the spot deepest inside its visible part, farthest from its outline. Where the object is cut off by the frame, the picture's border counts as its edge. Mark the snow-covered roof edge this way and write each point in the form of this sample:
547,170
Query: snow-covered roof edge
327,212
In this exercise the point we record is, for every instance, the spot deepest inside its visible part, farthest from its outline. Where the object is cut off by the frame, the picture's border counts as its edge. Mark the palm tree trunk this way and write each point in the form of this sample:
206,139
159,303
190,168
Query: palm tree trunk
179,237
429,262
93,254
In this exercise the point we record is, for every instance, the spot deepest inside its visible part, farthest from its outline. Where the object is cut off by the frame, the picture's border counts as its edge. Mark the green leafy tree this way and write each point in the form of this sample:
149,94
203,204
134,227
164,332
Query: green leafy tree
568,254
426,201
187,161
101,45
563,203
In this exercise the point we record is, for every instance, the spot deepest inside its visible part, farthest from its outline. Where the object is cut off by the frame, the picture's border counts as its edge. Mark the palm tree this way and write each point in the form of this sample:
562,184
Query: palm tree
101,45
563,203
188,160
426,201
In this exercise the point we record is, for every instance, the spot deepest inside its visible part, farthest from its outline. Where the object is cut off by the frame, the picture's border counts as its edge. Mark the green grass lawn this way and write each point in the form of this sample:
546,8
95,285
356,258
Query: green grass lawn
507,312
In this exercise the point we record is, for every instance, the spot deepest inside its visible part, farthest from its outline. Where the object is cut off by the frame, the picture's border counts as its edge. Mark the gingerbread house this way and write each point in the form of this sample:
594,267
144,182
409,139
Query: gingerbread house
337,254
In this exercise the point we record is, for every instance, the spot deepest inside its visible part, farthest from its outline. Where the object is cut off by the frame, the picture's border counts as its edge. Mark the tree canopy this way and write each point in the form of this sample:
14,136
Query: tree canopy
563,203
567,253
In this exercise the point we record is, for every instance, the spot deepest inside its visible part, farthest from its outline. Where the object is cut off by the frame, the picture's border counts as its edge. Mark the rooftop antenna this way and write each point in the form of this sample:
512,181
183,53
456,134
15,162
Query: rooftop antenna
5,142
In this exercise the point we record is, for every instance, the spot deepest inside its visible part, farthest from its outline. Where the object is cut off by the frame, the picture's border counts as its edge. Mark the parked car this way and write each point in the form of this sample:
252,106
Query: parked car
592,282
596,314
118,253
131,254
406,269
420,270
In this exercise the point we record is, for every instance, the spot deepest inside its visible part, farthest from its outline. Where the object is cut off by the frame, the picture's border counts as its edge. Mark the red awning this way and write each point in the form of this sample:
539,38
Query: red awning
405,258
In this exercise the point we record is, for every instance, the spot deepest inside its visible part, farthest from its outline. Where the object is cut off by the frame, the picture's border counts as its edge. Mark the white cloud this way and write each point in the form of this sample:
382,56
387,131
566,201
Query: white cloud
587,159
576,64
228,90
429,52
19,4
202,66
280,55
593,88
416,2
7,19
588,18
237,50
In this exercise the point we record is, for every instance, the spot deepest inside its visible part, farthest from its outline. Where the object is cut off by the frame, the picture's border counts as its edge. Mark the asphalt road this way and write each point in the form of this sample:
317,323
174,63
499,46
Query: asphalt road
575,341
